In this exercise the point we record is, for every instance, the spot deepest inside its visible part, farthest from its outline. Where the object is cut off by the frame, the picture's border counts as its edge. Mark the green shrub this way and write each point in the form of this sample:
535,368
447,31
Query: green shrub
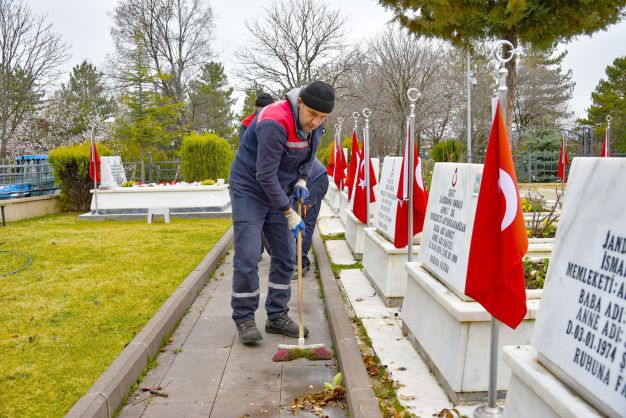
543,138
531,205
71,172
535,272
448,151
323,154
205,156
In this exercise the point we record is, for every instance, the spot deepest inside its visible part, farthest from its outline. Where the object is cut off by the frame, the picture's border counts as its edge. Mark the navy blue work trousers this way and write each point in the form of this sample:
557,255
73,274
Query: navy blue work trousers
317,191
252,217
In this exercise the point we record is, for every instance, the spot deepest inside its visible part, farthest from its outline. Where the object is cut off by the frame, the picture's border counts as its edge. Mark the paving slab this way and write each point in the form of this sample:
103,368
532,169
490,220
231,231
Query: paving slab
363,297
206,372
326,211
418,389
339,252
330,226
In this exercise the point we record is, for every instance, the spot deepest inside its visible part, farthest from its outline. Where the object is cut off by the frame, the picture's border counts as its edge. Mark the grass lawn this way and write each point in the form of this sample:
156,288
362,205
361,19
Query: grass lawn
90,288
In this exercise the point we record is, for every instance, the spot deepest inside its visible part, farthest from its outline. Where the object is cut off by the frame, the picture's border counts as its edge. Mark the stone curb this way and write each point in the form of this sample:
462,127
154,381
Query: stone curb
362,401
107,393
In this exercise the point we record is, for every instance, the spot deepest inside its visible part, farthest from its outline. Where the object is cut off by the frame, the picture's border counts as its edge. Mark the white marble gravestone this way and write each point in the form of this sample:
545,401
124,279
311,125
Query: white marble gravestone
388,204
354,227
111,172
580,333
449,330
383,263
449,222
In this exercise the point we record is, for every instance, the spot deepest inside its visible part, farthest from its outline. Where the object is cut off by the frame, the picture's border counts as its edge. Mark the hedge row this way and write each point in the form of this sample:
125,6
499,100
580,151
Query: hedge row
205,156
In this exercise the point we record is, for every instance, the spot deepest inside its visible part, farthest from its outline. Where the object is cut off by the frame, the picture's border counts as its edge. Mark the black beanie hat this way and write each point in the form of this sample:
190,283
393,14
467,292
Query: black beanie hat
263,99
319,96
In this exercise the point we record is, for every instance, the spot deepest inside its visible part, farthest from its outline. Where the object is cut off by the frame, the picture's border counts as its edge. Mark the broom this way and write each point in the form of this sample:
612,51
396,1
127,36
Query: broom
287,352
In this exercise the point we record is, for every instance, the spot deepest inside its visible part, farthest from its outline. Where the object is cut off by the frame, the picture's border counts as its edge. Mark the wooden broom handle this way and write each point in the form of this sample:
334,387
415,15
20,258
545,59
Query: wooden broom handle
299,266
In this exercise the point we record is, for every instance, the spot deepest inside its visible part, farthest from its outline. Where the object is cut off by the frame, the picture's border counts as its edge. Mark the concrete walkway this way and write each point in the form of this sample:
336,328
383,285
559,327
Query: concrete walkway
206,372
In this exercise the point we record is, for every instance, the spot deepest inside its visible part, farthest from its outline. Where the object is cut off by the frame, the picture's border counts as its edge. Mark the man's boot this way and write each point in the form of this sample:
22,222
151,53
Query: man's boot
284,325
248,332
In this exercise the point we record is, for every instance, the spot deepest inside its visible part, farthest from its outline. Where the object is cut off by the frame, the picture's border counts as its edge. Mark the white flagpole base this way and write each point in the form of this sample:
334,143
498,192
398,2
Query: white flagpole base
485,411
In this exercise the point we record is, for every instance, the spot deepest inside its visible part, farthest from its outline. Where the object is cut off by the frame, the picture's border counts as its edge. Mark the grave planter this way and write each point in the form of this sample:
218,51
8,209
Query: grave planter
355,235
383,265
539,248
535,392
181,200
332,195
452,335
344,207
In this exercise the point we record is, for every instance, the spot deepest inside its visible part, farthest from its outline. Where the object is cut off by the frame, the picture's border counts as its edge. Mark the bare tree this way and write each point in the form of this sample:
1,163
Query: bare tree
31,54
295,42
400,61
176,35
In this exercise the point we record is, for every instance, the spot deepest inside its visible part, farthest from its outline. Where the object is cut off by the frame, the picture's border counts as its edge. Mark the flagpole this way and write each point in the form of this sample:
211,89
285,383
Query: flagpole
469,108
563,151
95,171
609,118
355,116
492,410
413,94
366,158
340,120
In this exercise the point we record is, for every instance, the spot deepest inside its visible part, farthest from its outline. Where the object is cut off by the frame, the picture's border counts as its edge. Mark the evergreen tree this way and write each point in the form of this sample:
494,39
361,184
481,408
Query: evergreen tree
149,119
609,98
210,101
250,92
84,97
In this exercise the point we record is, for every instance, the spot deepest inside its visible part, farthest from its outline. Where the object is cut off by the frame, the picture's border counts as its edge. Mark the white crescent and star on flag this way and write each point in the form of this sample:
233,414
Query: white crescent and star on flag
507,186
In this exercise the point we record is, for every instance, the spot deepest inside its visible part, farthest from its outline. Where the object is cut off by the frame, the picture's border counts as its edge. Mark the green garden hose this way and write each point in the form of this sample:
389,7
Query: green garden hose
28,262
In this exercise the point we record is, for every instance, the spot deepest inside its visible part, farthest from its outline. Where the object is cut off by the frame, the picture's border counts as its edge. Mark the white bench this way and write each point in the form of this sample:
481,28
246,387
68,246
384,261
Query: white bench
159,211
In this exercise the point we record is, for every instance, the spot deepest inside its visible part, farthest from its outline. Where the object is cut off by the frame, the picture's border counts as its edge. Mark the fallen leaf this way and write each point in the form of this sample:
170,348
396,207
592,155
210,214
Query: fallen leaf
155,390
406,397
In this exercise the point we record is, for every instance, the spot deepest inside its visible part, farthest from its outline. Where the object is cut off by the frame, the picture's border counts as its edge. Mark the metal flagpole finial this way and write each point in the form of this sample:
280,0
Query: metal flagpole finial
413,94
355,116
366,114
497,51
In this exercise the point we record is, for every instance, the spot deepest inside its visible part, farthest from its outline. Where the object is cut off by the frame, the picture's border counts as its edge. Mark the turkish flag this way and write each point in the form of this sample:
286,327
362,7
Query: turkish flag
495,276
605,147
340,164
360,198
94,162
563,161
420,198
355,157
330,170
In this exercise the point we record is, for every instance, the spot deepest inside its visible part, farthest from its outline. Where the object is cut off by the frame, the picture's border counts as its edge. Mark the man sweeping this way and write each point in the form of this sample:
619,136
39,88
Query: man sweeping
274,160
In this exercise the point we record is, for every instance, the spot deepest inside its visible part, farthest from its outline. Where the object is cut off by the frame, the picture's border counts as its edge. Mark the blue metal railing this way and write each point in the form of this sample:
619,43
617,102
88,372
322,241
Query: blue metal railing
25,180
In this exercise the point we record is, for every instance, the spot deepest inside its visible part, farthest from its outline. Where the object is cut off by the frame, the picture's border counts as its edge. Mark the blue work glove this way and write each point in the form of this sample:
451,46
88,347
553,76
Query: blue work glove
296,224
300,191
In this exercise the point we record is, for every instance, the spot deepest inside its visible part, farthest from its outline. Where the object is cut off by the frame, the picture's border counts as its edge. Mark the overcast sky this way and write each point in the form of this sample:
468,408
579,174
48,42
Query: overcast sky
85,26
